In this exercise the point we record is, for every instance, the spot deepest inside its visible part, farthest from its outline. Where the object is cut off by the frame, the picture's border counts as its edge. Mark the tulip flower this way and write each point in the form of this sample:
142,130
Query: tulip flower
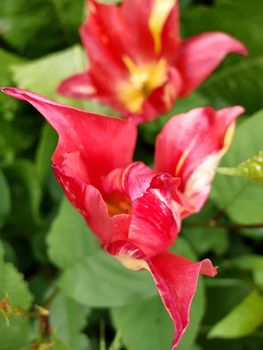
134,210
138,63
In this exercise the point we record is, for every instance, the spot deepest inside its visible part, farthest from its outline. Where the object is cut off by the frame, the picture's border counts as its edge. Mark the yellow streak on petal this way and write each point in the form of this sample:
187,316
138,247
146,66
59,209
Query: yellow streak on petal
185,155
159,15
132,263
142,81
229,135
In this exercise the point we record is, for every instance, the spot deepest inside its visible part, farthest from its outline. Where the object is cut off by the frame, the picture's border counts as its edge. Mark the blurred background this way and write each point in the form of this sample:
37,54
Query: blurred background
47,254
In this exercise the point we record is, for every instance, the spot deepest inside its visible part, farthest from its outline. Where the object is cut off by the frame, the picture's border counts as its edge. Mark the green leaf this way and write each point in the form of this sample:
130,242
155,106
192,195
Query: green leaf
99,280
25,195
240,198
31,75
23,24
14,287
251,168
14,136
253,263
144,325
46,147
5,203
236,81
69,239
67,320
242,320
147,325
91,277
68,62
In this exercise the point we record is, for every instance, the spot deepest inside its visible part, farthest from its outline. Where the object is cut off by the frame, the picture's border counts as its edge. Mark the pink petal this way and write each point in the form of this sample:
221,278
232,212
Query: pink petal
190,147
89,202
155,215
176,279
200,55
100,143
78,86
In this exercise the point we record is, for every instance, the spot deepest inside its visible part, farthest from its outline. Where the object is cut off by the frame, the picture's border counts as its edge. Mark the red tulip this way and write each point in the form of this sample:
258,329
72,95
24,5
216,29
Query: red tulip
138,63
136,211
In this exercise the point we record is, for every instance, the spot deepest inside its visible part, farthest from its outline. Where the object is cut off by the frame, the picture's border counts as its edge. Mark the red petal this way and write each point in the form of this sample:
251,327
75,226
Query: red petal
171,34
99,143
199,56
100,35
78,86
190,147
137,14
89,202
176,279
155,216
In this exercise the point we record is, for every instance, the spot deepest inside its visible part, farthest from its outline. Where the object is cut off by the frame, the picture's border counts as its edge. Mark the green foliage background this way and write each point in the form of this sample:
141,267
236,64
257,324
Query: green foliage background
47,254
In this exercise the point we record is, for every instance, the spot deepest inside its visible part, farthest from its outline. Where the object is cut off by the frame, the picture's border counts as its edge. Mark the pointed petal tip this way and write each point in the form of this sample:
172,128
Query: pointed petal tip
14,92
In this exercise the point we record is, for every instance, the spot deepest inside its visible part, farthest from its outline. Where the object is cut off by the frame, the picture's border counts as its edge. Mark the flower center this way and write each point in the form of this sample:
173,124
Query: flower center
117,203
142,81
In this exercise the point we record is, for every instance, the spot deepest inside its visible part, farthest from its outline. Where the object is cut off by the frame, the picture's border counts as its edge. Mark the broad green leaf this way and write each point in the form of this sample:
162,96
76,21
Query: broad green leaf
5,203
46,148
240,198
147,325
15,288
91,277
144,325
242,320
30,76
25,195
251,168
99,280
59,344
69,239
237,80
67,320
253,263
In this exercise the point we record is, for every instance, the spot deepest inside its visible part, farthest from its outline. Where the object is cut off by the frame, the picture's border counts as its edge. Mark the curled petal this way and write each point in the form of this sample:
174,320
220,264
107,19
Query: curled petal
176,279
190,147
82,133
155,215
200,55
89,202
152,203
